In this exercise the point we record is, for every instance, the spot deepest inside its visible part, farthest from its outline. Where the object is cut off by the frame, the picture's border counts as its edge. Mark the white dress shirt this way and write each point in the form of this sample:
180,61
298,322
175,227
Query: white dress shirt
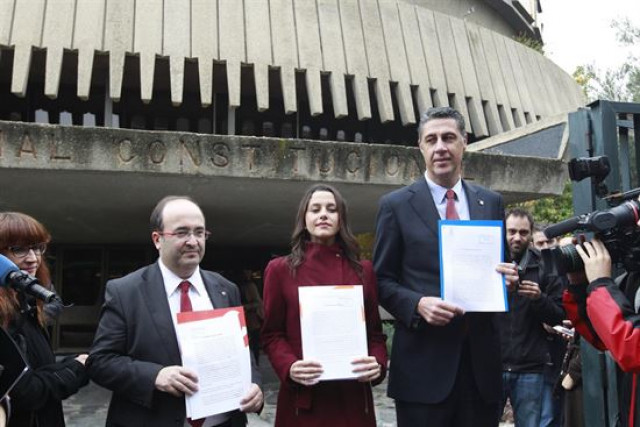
199,301
439,194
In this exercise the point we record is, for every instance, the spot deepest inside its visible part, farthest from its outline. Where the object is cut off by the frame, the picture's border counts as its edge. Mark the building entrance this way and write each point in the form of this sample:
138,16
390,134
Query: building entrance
80,273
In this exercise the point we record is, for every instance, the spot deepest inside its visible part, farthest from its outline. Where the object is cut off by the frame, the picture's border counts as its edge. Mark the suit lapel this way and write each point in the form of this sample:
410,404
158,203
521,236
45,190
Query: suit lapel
217,294
476,203
156,300
422,202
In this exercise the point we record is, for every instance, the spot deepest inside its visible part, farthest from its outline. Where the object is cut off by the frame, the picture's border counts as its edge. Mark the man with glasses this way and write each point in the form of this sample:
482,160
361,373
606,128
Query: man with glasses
135,352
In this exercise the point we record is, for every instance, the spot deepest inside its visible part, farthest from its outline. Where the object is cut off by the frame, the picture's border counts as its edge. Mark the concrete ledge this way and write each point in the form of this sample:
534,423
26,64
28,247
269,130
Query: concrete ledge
53,147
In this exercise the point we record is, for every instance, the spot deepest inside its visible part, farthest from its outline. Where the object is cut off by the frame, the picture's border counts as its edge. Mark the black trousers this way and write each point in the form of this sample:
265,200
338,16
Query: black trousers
464,407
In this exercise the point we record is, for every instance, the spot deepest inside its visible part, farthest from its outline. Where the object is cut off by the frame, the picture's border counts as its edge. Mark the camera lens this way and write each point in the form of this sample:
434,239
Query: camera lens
569,259
560,260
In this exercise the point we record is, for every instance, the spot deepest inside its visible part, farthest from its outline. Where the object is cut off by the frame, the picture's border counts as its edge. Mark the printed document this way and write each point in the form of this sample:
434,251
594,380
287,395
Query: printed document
332,323
469,254
214,344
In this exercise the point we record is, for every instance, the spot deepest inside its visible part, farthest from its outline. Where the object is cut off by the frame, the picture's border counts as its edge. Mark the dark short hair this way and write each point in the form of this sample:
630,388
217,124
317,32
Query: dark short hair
442,113
540,227
155,221
521,213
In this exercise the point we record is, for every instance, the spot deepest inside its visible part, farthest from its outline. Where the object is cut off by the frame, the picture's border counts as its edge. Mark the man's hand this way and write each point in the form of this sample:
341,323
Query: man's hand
82,358
177,381
305,372
510,272
529,289
437,312
367,368
252,401
596,259
568,383
3,416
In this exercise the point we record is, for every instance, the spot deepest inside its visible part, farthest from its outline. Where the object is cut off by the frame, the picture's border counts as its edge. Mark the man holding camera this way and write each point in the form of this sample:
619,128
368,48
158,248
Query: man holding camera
534,300
605,312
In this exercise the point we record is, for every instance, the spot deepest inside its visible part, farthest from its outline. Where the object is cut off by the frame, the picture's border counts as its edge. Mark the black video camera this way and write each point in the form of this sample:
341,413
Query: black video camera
615,227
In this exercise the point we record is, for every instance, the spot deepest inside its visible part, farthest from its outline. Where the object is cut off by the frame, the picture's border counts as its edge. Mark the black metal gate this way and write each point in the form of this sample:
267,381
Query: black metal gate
611,129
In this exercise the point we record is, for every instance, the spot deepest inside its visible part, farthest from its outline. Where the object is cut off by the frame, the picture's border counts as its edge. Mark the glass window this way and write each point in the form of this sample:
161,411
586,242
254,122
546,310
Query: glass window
81,280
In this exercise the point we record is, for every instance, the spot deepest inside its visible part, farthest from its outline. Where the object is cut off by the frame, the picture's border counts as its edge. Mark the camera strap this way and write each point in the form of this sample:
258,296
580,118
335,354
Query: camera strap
629,284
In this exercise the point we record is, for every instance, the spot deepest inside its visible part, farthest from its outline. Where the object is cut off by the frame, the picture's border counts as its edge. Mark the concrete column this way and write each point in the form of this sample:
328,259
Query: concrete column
108,106
231,121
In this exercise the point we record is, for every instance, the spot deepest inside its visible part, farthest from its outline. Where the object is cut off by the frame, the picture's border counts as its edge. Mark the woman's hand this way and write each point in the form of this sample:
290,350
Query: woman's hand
596,259
305,372
367,368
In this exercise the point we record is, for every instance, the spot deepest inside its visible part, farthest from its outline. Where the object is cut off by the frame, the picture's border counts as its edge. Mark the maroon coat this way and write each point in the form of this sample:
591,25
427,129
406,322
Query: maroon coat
329,403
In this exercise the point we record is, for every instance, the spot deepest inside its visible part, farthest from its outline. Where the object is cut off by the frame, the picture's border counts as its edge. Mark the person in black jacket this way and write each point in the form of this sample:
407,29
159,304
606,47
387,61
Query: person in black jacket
536,300
36,400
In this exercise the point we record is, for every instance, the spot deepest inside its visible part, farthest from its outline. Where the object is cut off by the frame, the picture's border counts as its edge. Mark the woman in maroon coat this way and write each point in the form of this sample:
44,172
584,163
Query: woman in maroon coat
324,252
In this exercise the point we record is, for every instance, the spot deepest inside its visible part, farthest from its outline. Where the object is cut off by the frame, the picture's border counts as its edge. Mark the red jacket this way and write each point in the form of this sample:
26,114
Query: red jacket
603,314
330,403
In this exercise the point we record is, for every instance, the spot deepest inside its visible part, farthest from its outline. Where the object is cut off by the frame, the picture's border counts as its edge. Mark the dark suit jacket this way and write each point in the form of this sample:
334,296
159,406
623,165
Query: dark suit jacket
425,358
136,338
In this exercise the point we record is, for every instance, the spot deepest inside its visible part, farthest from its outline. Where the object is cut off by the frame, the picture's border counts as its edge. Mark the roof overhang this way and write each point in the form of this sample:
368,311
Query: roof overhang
99,185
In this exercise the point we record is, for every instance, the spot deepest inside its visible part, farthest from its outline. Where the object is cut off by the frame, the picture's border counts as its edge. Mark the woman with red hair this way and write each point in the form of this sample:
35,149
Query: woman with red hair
36,400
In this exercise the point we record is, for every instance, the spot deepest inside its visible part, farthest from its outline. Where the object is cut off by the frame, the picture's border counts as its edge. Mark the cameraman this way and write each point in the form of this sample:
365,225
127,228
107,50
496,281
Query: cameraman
605,312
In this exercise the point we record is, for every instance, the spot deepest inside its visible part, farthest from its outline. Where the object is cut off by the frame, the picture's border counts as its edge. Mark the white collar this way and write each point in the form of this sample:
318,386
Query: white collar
439,192
171,280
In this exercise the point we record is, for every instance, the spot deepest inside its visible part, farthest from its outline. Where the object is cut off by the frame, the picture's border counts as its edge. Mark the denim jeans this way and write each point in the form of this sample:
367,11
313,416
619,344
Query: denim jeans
525,392
551,413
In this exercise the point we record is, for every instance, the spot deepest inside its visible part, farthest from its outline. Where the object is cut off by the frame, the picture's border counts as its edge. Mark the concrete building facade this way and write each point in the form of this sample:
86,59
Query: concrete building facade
108,105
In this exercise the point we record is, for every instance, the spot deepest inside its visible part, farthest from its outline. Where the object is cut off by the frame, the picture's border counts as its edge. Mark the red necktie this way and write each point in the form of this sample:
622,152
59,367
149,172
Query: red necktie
451,212
185,305
185,301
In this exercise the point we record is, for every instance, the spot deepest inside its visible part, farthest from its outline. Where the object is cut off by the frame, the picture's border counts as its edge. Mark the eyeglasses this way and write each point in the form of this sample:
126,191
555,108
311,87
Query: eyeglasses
22,251
185,234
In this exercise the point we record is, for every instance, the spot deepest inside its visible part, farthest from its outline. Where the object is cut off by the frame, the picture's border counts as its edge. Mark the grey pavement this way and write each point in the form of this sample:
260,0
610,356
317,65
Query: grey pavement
89,406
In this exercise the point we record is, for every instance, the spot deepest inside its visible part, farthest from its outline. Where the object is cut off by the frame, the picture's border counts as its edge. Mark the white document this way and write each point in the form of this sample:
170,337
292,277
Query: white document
332,323
214,344
469,254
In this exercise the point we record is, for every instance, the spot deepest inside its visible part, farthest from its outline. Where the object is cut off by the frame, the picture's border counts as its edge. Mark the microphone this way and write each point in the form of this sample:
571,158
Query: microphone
563,227
13,277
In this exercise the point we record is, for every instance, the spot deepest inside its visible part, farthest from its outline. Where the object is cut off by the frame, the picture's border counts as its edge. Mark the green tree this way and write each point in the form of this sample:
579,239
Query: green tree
550,210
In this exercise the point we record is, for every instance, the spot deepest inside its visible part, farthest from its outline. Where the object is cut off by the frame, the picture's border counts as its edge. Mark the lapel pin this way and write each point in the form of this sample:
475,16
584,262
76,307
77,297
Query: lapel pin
481,202
224,293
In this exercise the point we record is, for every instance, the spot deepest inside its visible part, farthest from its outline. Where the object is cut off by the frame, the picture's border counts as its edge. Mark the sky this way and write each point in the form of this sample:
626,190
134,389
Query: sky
578,32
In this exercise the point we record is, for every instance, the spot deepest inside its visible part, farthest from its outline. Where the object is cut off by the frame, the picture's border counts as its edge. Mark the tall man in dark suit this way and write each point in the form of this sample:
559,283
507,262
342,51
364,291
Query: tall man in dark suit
445,364
135,352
